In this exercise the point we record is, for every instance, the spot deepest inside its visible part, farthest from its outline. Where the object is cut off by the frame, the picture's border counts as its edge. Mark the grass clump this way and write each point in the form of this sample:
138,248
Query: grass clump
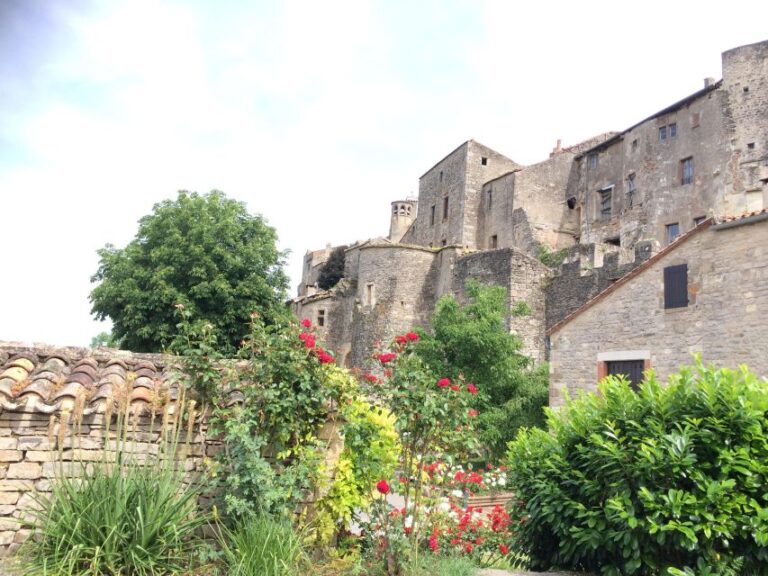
263,545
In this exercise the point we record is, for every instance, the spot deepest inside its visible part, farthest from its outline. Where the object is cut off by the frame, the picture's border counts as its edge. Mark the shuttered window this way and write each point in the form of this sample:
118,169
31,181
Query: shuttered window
676,286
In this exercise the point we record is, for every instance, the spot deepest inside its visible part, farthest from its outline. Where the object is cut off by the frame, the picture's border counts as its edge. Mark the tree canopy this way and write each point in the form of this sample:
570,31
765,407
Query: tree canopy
472,340
333,269
205,252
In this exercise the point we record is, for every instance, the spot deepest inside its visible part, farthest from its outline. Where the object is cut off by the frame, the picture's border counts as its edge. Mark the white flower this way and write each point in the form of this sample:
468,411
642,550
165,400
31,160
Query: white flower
457,493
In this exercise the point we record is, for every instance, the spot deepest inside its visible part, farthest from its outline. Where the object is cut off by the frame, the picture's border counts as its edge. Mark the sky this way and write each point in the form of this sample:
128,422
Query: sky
315,114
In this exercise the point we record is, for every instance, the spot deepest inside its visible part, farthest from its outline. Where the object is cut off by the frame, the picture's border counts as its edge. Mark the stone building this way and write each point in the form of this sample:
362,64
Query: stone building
603,207
707,293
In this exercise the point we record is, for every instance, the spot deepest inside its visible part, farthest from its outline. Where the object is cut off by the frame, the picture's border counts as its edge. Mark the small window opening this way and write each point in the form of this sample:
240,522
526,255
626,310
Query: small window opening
484,161
751,146
634,144
445,208
571,202
673,231
672,130
746,89
443,242
489,197
698,220
662,133
370,294
441,175
494,242
321,317
592,161
606,203
432,215
615,241
686,171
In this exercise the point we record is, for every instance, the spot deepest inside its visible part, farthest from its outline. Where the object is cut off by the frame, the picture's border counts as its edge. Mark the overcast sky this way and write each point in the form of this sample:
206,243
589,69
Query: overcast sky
317,114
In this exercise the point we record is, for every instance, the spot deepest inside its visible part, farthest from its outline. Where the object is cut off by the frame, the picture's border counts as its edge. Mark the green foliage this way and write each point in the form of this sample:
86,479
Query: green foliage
105,339
124,517
472,340
551,258
669,479
203,251
260,544
370,453
521,308
443,566
333,269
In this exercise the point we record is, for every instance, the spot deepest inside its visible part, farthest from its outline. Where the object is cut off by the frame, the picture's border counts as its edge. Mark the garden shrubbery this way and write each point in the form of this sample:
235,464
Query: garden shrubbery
668,479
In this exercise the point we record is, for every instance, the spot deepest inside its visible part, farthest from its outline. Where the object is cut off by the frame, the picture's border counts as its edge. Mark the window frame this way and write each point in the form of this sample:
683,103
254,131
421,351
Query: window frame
686,171
668,228
675,278
606,193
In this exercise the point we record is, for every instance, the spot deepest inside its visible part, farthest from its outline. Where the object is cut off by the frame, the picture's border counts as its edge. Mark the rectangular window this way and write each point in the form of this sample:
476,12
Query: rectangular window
494,243
489,199
631,189
321,317
445,208
443,242
632,370
662,133
441,175
370,294
686,171
673,130
634,144
673,231
606,203
676,286
698,220
592,161
484,161
695,120
432,215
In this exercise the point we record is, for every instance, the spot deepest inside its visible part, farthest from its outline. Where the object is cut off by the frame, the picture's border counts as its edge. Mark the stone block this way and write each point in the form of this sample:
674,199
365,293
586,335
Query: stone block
9,497
8,443
34,443
6,537
40,455
10,456
28,502
7,509
8,523
24,470
16,485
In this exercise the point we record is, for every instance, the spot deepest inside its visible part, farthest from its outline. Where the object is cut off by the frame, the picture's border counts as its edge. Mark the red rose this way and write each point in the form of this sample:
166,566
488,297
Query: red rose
387,357
324,357
400,339
309,341
433,543
471,388
306,322
372,378
382,486
455,387
412,336
503,549
472,413
443,382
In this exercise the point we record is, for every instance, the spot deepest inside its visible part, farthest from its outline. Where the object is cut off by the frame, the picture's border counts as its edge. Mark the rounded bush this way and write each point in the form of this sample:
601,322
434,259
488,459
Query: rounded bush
668,479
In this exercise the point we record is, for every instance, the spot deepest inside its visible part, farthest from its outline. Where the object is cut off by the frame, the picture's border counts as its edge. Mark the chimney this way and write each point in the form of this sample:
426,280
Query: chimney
557,149
708,82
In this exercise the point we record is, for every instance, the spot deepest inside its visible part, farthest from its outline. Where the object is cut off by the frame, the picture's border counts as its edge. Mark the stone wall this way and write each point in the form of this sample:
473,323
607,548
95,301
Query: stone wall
35,448
724,321
523,277
587,271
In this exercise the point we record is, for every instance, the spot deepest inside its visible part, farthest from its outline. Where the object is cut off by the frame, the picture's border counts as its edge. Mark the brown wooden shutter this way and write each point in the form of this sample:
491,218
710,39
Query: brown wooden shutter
676,286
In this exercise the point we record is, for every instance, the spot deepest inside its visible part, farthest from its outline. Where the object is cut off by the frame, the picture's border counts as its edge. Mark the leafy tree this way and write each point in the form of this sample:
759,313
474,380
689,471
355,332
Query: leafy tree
205,252
106,339
472,340
333,269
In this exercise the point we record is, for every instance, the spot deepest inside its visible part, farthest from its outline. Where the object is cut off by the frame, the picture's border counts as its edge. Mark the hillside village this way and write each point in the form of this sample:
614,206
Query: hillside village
661,229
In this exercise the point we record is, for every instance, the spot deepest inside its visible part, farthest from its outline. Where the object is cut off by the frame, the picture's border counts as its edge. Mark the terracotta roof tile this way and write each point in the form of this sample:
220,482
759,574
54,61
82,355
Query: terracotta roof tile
45,379
744,216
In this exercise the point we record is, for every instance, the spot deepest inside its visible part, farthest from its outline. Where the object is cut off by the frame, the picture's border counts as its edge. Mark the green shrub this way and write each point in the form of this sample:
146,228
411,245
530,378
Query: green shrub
260,544
669,479
122,517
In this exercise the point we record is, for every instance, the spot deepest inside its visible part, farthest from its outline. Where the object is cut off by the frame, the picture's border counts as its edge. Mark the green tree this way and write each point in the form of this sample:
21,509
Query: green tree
205,252
333,269
106,339
472,340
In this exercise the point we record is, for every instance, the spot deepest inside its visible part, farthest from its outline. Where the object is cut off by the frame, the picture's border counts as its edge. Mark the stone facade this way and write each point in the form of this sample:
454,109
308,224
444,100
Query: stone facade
607,205
724,320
